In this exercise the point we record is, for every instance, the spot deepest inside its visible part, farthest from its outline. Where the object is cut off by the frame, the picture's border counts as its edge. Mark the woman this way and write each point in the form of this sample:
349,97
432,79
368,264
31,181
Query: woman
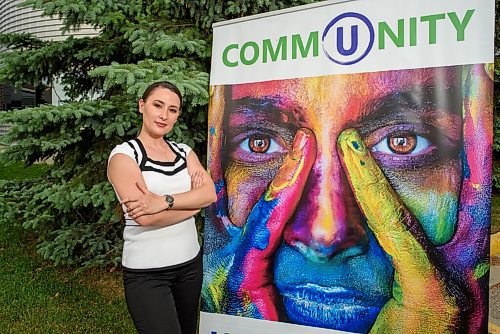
161,186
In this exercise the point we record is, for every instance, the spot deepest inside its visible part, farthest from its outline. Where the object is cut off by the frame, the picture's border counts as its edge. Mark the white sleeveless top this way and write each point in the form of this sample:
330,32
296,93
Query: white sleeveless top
158,247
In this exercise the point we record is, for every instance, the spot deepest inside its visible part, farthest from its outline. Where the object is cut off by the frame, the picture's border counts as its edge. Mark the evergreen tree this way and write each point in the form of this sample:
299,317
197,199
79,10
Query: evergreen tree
72,209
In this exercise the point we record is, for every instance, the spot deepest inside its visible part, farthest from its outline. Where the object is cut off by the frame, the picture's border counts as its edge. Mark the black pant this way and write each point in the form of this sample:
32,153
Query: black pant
165,300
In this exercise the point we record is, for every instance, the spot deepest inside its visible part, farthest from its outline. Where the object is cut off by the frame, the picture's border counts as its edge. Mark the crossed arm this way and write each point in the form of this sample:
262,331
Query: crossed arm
149,209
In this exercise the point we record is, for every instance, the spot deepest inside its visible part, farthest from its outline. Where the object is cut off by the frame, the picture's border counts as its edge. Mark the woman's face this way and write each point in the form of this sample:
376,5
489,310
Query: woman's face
160,111
329,269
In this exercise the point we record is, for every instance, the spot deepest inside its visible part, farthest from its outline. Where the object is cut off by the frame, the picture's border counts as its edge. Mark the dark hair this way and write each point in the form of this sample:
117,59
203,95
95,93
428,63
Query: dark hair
163,84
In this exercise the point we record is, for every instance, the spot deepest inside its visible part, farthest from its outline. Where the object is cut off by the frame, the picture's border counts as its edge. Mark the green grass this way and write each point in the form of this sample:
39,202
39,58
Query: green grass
36,297
18,171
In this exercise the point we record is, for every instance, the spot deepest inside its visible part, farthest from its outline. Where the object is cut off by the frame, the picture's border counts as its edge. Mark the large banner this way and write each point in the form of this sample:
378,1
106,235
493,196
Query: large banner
351,146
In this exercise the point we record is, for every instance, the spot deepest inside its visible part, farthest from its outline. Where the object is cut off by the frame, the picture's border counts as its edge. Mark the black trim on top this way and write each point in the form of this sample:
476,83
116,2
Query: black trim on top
178,157
177,148
169,172
143,151
135,152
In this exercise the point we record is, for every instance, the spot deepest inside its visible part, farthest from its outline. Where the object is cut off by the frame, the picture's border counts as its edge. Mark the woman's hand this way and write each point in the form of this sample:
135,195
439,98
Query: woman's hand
145,204
241,280
196,180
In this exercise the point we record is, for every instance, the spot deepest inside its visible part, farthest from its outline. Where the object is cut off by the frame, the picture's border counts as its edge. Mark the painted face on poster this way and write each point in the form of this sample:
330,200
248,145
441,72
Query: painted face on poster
347,201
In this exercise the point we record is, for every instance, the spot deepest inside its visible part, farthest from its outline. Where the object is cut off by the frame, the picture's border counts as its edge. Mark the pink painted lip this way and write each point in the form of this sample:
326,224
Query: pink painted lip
161,125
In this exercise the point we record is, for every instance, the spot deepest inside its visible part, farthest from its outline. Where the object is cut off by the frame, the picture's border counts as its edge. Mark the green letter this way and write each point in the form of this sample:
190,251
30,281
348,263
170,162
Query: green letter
255,53
460,26
268,47
432,25
224,55
413,31
398,40
297,42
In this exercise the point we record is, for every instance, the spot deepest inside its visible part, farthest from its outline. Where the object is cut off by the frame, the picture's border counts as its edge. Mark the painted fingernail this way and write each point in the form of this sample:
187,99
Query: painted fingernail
292,166
300,140
299,143
352,139
358,145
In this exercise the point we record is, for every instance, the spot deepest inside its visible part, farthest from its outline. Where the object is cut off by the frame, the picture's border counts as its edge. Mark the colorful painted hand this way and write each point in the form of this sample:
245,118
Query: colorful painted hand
253,294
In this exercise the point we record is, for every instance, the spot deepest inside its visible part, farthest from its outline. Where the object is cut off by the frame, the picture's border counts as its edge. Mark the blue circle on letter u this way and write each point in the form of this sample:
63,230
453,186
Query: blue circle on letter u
368,24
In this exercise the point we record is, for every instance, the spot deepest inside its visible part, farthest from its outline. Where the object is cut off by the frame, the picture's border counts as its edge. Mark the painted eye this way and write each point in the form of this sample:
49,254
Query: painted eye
406,143
259,144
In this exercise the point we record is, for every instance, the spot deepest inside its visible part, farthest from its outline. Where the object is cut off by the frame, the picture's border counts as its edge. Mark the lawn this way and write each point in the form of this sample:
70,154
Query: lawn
36,297
18,171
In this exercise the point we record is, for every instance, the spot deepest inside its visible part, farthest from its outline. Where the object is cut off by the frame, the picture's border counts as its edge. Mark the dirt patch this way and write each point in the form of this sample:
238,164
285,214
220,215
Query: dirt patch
107,282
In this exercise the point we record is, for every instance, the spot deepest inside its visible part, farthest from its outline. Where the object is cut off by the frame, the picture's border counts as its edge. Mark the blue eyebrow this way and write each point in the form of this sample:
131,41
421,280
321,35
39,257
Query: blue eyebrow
261,103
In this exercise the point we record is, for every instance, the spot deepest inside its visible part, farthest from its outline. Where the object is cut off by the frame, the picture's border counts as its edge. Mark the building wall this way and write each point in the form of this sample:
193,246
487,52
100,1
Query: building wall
16,20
